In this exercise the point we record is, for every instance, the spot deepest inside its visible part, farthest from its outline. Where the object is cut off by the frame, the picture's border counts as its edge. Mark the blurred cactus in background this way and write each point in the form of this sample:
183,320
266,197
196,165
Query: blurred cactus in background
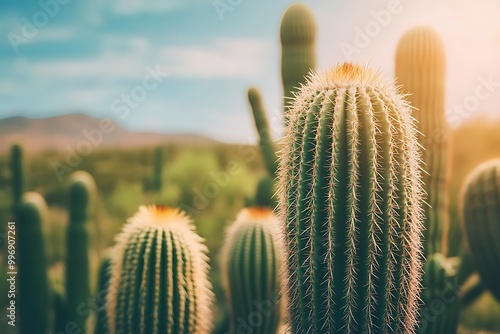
17,173
34,297
298,55
350,199
159,280
481,222
251,258
82,193
157,169
264,197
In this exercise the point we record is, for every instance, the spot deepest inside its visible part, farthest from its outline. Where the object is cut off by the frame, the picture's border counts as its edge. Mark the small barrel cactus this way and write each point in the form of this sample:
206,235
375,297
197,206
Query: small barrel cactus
159,272
251,257
82,191
33,283
350,199
298,55
481,222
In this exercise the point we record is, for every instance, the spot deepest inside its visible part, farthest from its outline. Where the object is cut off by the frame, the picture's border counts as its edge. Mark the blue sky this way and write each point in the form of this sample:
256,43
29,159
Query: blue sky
91,52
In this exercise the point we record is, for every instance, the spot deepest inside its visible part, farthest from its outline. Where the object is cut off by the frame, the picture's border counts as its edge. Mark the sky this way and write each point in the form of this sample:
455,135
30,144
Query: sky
85,56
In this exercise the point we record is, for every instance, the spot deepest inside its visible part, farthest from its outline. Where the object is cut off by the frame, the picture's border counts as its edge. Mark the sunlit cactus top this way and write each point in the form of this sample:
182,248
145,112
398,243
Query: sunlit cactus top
159,277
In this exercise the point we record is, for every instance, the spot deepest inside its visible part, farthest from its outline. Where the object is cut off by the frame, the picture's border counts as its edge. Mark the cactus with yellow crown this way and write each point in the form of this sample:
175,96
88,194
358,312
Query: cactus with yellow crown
159,276
350,201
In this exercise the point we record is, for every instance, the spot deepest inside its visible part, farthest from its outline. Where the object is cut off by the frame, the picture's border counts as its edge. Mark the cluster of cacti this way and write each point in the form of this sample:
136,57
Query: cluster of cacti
481,222
159,278
82,191
351,201
34,298
251,259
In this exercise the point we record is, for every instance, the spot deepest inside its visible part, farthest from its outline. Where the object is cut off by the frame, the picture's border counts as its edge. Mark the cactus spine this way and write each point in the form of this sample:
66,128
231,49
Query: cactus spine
298,56
101,322
82,191
159,278
34,300
420,70
481,222
250,262
350,196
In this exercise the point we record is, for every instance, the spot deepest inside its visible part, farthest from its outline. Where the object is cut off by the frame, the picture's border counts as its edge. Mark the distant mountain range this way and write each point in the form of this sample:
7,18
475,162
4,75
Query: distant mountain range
57,132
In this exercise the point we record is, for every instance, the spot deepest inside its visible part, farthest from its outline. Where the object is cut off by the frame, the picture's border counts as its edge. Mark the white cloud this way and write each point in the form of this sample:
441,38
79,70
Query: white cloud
223,58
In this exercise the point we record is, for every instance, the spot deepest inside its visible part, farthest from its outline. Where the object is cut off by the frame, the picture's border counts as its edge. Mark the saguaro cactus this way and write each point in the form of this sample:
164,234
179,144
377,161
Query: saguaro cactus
159,278
251,257
481,222
82,191
157,169
420,70
34,300
298,56
17,173
350,197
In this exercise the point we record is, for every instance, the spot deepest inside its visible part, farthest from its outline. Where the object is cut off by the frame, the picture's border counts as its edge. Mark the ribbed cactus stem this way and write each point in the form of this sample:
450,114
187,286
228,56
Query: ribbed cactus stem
298,55
420,70
266,143
481,222
159,280
350,198
251,257
102,321
32,281
82,191
17,173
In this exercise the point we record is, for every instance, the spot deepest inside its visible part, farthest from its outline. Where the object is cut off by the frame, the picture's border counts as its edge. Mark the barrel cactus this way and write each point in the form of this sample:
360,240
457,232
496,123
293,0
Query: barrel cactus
481,222
420,70
350,199
34,298
159,280
251,257
82,191
298,55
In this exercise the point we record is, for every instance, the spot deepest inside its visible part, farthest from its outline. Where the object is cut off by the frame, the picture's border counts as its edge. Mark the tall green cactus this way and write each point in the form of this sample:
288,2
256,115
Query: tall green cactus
101,322
17,174
251,257
157,169
298,56
350,198
82,191
159,278
33,298
264,197
420,70
481,222
266,143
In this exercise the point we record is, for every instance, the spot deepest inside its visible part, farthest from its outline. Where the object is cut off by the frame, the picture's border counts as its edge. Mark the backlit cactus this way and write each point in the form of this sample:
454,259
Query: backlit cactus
420,70
251,257
82,191
350,199
32,281
298,56
481,222
266,143
159,278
